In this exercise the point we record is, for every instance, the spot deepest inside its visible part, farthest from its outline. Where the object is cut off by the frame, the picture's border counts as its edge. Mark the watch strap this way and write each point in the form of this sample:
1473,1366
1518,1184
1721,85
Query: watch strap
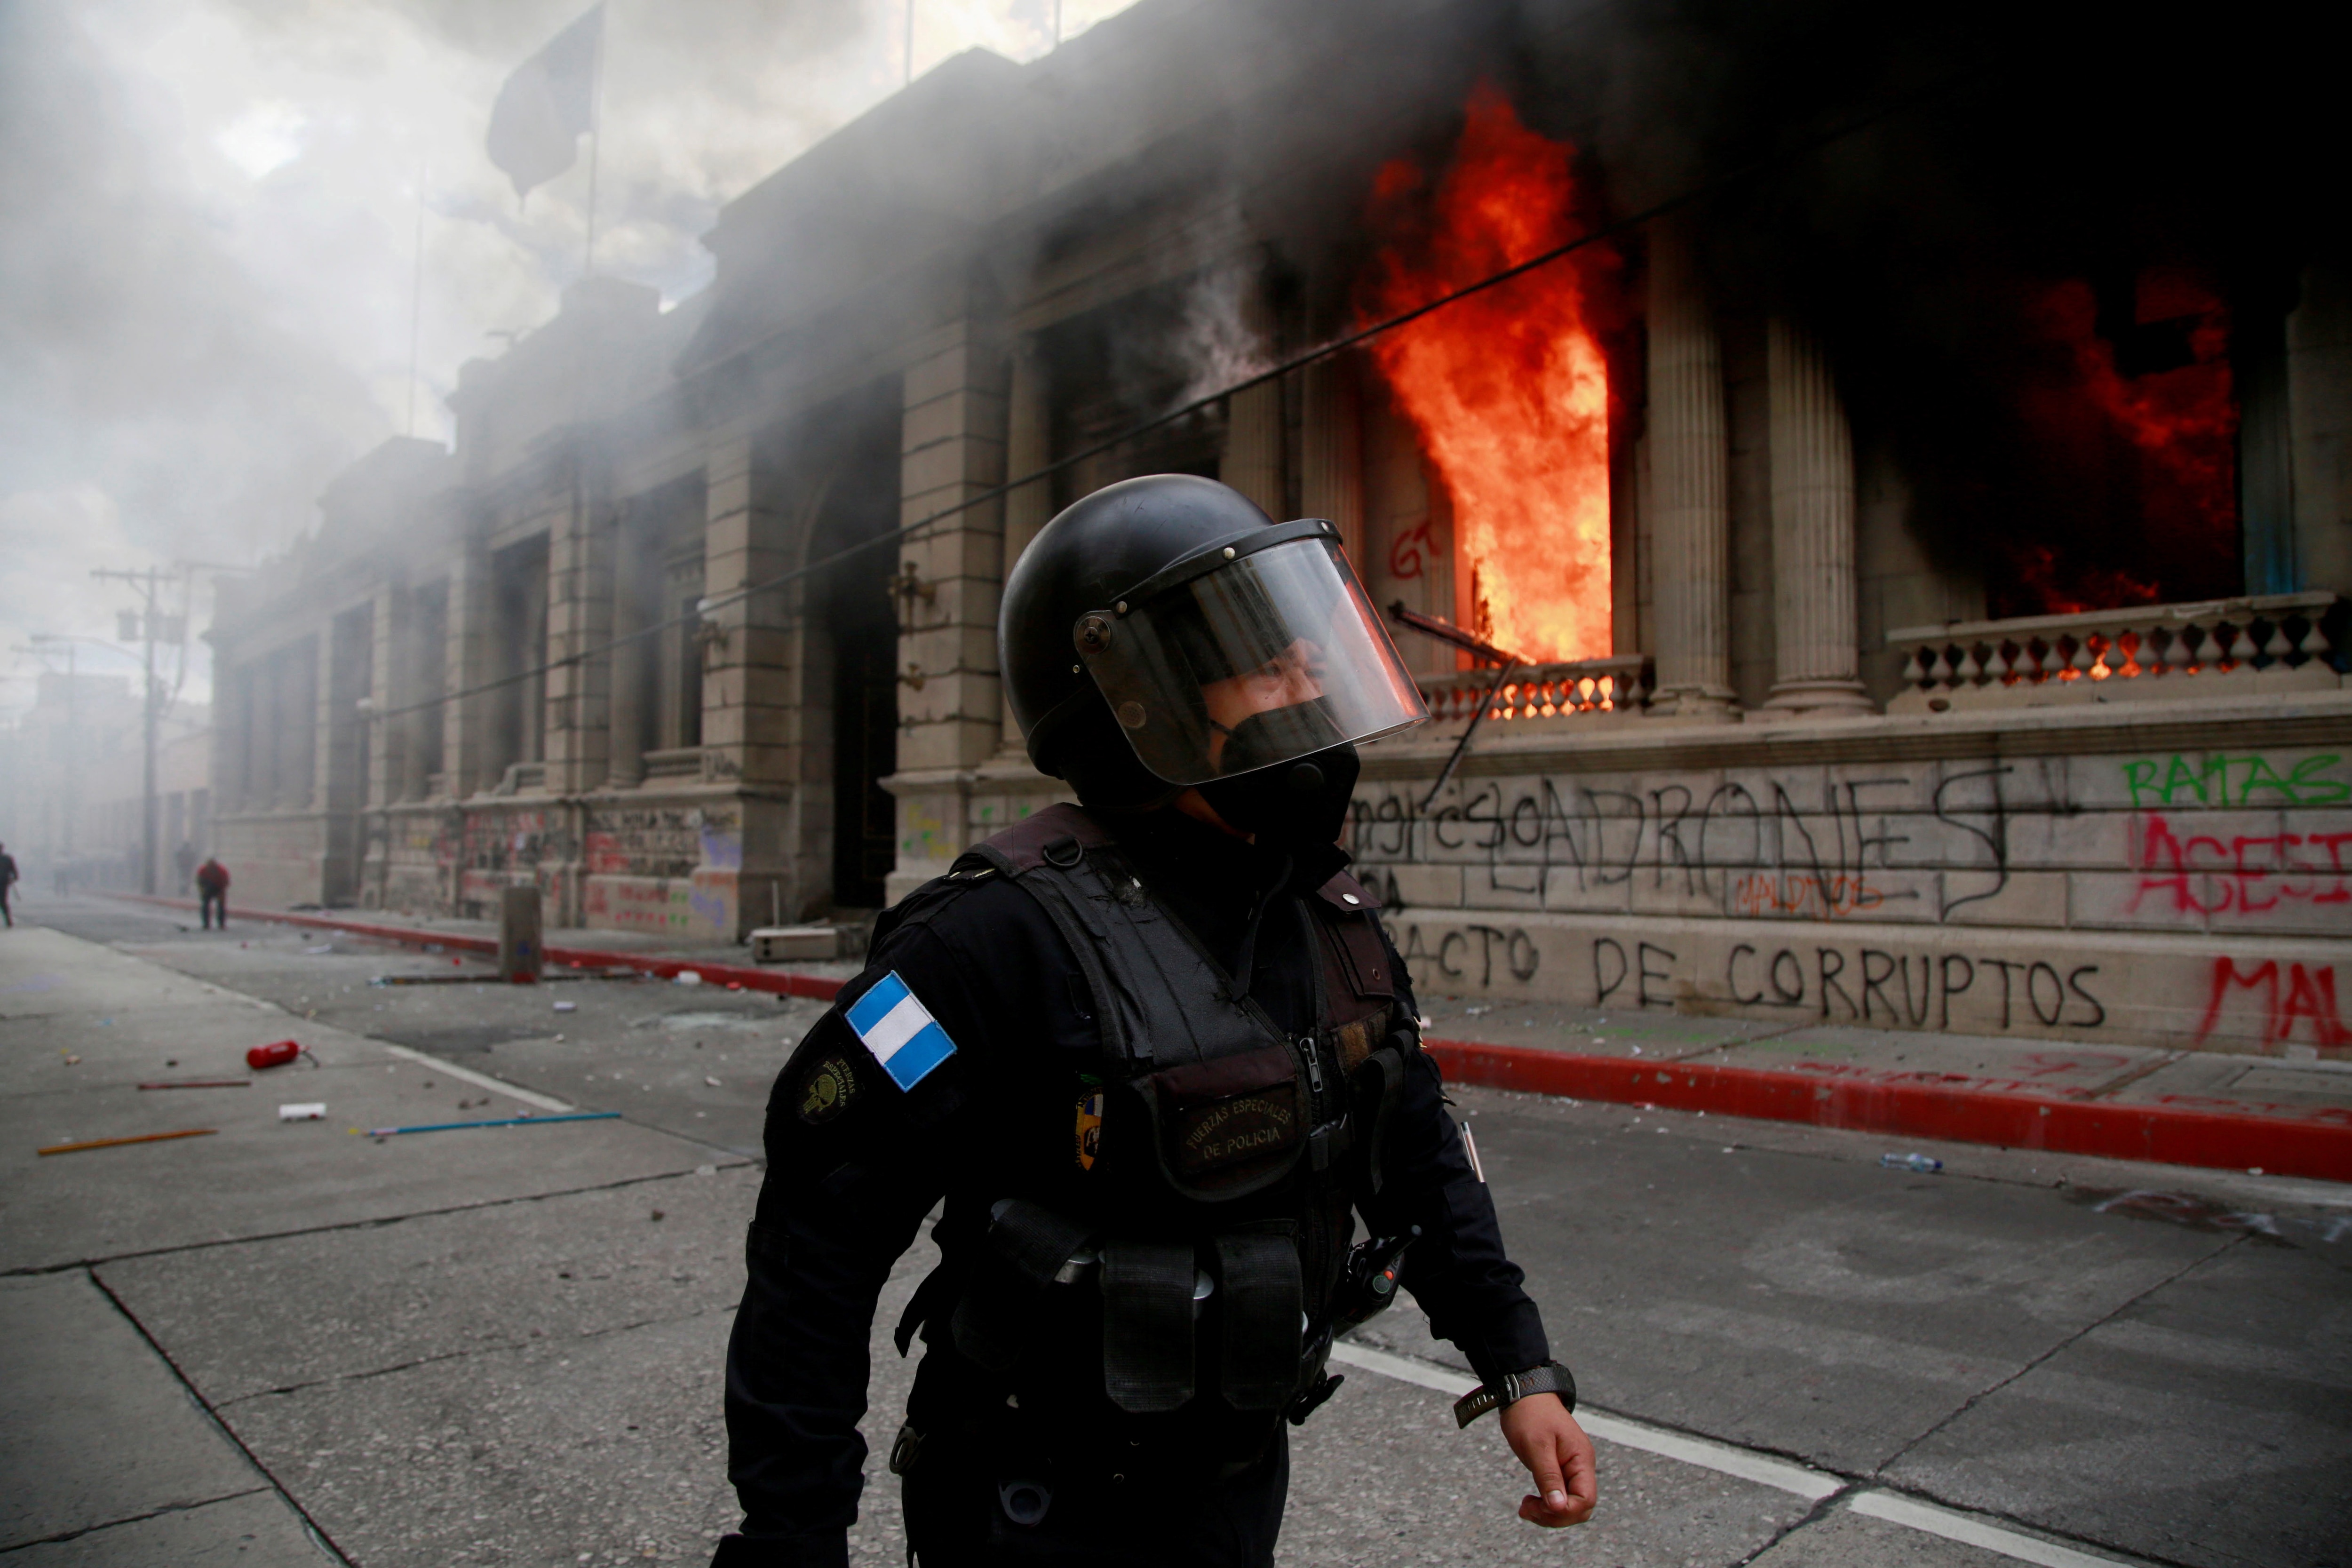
1550,1378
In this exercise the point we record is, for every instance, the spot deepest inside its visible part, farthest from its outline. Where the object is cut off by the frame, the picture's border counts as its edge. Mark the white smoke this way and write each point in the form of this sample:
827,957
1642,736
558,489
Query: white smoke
209,259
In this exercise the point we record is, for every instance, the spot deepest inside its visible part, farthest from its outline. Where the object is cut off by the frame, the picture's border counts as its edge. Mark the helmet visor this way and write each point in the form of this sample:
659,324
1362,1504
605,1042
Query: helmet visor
1269,657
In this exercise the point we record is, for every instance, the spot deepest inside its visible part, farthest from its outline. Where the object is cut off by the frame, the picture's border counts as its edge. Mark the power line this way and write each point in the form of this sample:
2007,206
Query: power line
1696,195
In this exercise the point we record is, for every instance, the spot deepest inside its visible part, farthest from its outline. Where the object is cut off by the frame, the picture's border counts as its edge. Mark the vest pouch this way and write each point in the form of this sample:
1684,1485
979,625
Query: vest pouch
1261,1314
1147,1316
1027,1246
1226,1128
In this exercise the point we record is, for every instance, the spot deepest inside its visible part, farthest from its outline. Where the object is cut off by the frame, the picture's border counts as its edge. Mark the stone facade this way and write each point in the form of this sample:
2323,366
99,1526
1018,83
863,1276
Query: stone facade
642,639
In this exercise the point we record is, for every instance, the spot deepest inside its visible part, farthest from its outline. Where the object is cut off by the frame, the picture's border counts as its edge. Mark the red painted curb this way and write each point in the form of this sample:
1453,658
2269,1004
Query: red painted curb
778,982
2278,1145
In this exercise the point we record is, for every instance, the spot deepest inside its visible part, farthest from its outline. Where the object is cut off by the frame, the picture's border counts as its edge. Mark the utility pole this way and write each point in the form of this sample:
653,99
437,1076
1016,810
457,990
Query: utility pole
149,585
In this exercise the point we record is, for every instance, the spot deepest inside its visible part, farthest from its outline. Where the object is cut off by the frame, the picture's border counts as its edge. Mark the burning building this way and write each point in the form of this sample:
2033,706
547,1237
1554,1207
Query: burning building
1901,476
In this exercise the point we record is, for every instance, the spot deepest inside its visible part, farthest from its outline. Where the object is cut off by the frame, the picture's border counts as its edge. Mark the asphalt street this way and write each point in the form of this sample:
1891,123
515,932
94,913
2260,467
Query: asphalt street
283,1343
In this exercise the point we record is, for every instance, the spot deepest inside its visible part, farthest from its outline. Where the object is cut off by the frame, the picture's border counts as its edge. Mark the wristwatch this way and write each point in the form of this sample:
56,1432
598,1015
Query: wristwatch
1550,1378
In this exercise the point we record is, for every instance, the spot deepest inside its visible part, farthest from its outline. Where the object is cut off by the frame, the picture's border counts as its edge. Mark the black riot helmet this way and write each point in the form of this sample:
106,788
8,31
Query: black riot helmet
1170,613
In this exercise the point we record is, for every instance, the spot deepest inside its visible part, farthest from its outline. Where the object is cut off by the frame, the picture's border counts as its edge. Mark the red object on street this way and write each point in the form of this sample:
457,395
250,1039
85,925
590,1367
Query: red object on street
275,1055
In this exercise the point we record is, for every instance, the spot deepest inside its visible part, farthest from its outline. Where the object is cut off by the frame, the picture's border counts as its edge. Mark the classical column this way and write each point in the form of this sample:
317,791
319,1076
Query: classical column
748,711
1332,454
951,706
1689,460
626,767
1816,656
466,665
580,547
1253,456
1028,446
2319,426
388,689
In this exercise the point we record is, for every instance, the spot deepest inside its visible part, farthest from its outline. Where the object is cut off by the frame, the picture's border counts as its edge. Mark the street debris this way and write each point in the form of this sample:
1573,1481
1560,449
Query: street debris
312,1112
711,1081
567,1006
525,1120
276,1054
117,1142
688,977
204,1083
1925,1164
315,951
71,1060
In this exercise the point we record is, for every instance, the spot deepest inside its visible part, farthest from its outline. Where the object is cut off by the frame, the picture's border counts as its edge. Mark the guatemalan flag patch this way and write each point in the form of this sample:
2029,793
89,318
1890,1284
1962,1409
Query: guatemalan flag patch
899,1030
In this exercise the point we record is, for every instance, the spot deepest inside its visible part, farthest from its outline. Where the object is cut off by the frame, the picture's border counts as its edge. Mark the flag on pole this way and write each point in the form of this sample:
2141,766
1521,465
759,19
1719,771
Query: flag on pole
547,105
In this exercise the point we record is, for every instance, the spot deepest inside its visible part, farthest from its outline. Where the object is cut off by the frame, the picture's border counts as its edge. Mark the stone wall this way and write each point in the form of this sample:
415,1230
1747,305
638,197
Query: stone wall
2169,892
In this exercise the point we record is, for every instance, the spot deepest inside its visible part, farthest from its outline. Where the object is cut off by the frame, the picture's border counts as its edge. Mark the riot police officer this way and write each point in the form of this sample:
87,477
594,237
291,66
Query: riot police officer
1148,1056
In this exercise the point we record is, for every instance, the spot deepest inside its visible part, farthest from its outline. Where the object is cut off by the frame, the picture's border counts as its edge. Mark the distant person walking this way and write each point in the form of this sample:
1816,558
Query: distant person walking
184,860
212,892
7,880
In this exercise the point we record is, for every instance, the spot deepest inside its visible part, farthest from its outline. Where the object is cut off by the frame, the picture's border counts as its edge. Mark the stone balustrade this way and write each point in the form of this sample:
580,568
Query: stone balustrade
2271,643
1620,684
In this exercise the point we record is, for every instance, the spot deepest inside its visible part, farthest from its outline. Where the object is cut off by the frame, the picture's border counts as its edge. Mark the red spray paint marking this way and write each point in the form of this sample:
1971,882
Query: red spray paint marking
2308,992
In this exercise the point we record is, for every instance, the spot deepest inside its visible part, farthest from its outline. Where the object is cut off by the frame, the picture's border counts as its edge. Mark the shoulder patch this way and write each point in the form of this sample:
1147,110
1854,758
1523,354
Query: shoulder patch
830,1088
898,1031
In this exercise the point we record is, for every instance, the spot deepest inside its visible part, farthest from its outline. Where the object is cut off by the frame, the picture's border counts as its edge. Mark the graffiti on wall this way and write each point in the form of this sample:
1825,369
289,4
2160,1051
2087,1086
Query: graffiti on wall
1922,845
1973,989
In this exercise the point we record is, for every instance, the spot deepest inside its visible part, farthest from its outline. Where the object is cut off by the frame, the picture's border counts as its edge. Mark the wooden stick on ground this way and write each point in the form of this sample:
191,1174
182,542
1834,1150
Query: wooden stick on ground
113,1143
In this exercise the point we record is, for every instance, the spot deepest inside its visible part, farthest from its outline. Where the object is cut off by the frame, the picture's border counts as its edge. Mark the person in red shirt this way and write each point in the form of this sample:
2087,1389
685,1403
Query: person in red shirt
212,892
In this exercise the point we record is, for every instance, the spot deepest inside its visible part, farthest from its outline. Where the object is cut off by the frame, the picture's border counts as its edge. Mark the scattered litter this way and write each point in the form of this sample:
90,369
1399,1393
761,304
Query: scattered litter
170,1061
314,1111
711,1081
2251,1170
706,1169
500,1121
314,951
276,1054
688,977
435,947
567,1006
75,1061
117,1142
656,1215
559,1039
204,1083
1925,1164
737,986
1637,1051
1474,1012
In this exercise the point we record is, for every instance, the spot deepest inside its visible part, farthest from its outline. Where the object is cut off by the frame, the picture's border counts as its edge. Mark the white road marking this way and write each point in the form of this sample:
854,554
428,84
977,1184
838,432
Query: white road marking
1930,1520
1781,1475
482,1080
1763,1469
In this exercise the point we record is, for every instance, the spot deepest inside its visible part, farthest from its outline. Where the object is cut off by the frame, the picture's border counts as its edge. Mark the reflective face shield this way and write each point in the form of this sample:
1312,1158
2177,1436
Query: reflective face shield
1249,653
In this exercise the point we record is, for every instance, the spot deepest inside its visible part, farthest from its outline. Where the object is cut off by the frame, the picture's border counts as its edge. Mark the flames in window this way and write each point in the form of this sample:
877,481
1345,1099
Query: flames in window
1509,388
2135,416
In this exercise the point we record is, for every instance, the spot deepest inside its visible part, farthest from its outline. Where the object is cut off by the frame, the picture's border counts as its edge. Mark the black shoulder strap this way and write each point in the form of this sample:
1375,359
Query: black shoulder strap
1159,999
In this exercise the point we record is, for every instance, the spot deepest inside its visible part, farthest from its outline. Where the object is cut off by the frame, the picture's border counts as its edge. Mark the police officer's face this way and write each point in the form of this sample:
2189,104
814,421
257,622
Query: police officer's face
1294,676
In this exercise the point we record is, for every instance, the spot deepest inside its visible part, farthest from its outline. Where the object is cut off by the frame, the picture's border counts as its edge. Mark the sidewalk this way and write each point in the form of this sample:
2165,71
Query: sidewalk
2258,1114
124,1275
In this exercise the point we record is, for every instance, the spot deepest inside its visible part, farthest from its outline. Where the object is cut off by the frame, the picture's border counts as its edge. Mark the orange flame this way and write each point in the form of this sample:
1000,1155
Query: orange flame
1509,388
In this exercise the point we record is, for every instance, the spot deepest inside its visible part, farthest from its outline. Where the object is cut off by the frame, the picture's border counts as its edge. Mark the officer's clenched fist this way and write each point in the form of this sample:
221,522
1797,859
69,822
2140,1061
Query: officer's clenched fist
1558,1455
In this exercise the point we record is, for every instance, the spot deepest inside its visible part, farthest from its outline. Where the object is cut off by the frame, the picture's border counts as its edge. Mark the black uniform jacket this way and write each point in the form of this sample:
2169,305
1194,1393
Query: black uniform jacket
854,1164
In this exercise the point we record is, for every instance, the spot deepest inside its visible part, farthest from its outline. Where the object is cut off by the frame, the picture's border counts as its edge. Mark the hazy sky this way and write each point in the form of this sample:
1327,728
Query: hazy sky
209,216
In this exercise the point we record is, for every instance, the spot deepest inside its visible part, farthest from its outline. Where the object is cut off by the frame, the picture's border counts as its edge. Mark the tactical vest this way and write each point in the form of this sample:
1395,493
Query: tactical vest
1229,1157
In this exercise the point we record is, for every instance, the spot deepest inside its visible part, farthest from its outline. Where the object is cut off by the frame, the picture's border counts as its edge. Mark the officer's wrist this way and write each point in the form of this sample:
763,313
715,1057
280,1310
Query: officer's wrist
1550,1377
